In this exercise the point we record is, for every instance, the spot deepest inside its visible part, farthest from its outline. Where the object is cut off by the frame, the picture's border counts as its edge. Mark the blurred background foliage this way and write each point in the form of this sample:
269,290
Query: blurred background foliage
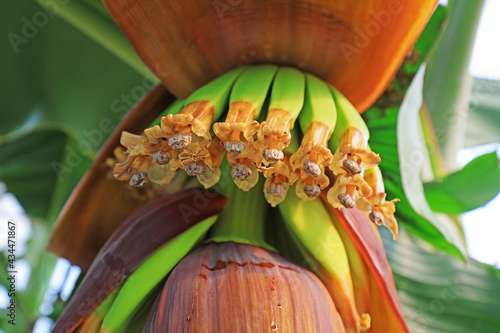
68,80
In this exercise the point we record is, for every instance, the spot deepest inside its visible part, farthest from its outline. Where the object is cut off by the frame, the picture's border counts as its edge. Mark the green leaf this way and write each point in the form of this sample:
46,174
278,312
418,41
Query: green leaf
57,74
472,187
441,294
41,167
92,19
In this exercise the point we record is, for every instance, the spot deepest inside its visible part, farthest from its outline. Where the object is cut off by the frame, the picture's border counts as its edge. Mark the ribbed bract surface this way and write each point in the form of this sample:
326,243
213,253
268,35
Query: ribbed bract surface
230,287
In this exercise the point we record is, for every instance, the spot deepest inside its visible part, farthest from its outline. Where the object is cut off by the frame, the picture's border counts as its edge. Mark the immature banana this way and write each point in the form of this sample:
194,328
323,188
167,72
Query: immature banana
287,99
352,156
322,241
347,116
148,275
317,120
359,271
217,92
238,130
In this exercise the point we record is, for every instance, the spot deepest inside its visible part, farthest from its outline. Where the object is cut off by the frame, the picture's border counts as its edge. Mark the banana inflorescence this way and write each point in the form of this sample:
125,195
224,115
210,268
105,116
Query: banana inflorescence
333,154
326,153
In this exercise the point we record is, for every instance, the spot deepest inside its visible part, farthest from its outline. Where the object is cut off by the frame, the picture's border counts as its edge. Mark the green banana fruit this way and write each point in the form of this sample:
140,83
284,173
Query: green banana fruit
347,116
217,91
252,86
319,105
148,275
288,92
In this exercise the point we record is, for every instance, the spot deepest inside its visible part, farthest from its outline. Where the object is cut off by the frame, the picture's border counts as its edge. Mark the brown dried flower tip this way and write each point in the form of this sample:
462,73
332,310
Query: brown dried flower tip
311,169
234,147
278,190
377,217
312,191
180,141
203,160
346,200
345,184
274,134
351,166
195,169
162,157
279,177
310,160
352,155
241,172
139,179
237,131
273,155
381,211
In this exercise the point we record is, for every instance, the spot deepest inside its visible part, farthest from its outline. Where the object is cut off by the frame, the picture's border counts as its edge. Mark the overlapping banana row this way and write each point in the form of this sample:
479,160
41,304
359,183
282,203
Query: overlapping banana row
334,138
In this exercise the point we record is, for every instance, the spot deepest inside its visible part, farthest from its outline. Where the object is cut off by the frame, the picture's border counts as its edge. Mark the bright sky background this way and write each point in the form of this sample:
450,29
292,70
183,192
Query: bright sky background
482,226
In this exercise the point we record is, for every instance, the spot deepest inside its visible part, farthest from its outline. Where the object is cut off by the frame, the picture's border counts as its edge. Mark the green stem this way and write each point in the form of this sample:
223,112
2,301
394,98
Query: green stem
243,220
100,28
447,81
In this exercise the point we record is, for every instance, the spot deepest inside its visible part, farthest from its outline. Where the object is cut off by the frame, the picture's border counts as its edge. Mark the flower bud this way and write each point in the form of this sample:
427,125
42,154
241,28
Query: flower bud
232,287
